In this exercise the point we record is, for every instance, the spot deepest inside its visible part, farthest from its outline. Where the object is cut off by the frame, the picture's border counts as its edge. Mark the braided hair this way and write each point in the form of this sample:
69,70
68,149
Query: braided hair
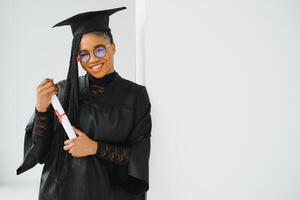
70,104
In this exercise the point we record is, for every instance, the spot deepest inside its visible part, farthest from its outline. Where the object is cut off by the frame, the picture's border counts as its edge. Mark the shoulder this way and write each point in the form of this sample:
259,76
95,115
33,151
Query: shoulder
140,93
138,90
130,85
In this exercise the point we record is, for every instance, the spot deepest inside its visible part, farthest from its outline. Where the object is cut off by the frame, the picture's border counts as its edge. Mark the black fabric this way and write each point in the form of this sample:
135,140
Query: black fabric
103,81
36,145
113,153
42,132
90,21
119,117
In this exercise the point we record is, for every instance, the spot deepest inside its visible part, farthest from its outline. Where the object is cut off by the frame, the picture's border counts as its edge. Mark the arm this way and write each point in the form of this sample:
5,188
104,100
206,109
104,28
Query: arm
42,132
37,141
140,139
113,153
42,125
137,179
84,146
38,130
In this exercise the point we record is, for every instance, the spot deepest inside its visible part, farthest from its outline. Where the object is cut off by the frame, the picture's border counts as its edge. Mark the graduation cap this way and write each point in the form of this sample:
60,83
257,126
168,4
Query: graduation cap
89,21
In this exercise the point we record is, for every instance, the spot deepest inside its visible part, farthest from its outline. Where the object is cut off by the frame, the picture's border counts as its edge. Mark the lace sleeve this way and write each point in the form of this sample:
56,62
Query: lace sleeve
113,153
42,124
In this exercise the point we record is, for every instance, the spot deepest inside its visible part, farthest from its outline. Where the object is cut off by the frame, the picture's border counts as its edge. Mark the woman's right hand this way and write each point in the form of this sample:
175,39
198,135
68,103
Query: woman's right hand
45,90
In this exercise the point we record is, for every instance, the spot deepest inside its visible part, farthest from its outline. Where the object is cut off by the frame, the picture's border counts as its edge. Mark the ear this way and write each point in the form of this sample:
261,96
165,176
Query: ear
114,48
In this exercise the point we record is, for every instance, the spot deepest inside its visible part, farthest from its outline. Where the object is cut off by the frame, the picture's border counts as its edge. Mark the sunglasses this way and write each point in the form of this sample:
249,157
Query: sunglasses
99,52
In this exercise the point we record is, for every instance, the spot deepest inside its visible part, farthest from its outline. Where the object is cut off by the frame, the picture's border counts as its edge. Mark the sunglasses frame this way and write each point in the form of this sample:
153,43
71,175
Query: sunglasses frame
105,46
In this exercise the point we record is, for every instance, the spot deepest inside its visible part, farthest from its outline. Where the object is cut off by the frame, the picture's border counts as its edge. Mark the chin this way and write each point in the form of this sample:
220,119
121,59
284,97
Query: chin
100,73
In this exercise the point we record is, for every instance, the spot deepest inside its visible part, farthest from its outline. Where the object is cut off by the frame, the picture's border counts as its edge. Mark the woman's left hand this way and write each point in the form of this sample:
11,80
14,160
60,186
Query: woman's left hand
81,146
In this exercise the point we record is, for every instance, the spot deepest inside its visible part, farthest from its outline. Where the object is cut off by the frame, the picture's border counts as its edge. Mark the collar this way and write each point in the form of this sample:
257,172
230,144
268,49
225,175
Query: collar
84,83
103,81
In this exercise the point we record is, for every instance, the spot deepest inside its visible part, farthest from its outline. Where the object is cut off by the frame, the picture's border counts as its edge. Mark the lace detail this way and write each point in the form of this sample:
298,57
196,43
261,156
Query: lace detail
41,124
115,154
96,89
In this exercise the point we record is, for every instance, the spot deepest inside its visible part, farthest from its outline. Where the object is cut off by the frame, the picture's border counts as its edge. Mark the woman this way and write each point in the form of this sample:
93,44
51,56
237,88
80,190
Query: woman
110,115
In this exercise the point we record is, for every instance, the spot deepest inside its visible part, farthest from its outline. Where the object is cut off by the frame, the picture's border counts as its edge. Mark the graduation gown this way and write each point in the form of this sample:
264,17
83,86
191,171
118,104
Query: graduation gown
118,118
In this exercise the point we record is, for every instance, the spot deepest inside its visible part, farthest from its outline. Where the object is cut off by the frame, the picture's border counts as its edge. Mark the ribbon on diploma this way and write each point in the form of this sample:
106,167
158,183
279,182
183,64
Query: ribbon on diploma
59,116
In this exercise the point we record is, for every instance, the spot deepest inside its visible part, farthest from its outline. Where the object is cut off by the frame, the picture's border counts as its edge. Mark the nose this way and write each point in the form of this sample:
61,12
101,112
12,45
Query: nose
93,58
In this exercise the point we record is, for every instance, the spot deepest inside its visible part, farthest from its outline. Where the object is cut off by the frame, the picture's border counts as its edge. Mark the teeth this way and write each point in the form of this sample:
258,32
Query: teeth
97,67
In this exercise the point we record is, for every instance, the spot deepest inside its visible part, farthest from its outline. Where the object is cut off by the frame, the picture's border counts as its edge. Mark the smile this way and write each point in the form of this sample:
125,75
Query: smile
96,68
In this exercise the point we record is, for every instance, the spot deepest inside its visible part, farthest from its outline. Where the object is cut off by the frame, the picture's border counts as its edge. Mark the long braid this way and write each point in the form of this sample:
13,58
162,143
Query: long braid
70,105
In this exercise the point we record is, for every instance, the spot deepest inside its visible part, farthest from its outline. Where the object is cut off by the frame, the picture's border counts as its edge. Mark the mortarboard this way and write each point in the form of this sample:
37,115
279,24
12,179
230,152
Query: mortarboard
89,21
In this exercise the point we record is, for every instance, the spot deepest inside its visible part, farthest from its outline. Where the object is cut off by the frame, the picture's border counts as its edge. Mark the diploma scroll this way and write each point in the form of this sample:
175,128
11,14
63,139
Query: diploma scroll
62,117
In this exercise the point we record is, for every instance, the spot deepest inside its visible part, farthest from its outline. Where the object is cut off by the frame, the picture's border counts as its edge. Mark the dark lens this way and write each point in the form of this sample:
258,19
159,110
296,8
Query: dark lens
84,56
100,52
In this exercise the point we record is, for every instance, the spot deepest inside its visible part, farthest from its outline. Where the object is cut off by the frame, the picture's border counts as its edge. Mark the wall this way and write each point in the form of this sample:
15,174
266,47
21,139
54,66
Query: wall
223,79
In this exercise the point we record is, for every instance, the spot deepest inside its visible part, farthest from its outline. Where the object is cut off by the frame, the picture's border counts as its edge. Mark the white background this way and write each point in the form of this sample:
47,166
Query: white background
224,83
222,77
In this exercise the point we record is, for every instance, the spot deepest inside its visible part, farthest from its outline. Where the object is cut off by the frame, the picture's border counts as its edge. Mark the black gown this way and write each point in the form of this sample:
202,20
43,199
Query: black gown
113,111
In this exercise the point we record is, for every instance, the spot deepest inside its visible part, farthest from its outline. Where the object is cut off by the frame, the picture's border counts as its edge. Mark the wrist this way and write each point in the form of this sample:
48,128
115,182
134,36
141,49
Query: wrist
95,147
39,109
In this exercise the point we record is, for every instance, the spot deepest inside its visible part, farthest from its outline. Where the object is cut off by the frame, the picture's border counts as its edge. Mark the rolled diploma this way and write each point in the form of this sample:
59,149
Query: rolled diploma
63,118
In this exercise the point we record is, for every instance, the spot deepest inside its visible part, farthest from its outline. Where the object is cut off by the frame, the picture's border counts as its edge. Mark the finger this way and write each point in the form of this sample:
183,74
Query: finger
67,147
56,89
68,141
75,155
45,86
48,85
78,132
43,82
52,93
74,128
51,89
41,86
71,151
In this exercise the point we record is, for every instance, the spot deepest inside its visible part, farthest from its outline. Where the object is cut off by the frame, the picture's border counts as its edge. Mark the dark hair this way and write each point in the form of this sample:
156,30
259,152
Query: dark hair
105,34
70,105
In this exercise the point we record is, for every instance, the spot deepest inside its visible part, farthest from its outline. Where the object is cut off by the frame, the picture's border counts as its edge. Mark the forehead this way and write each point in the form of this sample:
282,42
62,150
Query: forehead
89,40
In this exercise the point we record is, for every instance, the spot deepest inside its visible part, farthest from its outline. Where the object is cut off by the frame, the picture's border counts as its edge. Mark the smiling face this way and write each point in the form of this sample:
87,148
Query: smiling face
97,67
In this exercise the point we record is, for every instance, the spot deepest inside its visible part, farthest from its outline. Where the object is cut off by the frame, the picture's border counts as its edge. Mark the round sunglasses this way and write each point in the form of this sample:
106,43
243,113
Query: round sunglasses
99,52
